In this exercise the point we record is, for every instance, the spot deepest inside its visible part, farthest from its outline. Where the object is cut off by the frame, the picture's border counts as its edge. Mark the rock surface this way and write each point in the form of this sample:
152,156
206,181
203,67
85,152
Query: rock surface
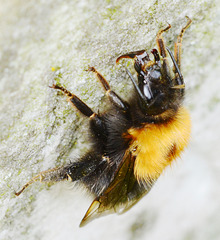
43,41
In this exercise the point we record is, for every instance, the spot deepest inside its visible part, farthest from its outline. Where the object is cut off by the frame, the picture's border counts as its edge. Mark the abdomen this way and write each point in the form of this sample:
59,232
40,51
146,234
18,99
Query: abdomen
157,145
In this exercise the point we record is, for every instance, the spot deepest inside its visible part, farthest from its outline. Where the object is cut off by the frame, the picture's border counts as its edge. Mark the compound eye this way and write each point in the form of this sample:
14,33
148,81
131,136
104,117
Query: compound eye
154,75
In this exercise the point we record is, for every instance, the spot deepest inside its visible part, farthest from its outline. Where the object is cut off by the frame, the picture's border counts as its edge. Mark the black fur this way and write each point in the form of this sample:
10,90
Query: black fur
97,168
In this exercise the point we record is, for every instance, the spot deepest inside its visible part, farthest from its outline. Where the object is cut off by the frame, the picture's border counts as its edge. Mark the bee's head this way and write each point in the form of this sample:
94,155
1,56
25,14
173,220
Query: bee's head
154,86
149,72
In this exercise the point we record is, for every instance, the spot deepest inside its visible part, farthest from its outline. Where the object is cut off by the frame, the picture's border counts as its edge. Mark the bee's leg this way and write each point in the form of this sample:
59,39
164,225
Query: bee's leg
76,171
51,175
162,50
178,45
113,97
96,122
75,101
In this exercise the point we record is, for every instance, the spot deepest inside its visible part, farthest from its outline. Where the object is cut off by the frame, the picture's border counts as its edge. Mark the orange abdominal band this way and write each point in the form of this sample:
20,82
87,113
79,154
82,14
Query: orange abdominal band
157,145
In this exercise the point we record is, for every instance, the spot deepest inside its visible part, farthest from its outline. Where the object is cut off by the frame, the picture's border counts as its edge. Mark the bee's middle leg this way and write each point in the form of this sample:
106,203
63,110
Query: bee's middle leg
113,97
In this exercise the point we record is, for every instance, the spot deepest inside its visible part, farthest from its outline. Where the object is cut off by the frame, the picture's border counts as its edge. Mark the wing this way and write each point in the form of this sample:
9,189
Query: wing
122,193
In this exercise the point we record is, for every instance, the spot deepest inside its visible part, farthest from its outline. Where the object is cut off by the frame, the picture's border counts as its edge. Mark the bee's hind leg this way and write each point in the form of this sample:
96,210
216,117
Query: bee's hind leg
51,175
74,171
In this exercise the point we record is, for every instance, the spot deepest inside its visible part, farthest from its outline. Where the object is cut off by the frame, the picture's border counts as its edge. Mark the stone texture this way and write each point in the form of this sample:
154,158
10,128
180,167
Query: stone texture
42,41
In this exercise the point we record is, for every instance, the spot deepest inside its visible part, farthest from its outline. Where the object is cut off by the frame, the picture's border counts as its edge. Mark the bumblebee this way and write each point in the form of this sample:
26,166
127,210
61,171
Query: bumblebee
134,141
